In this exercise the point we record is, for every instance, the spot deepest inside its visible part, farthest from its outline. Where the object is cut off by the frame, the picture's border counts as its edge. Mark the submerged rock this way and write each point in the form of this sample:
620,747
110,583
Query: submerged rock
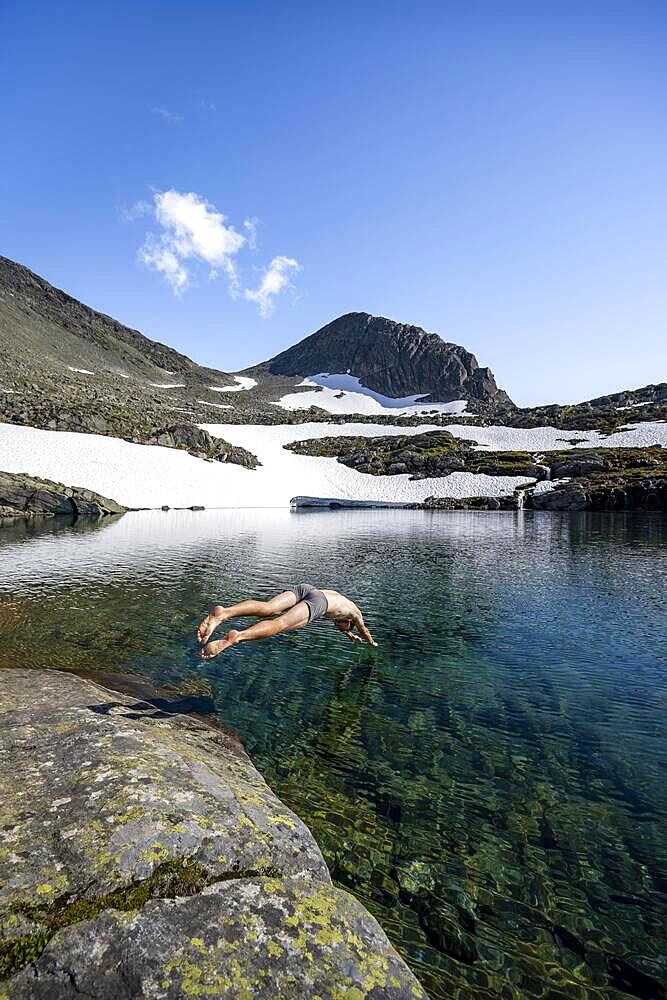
145,856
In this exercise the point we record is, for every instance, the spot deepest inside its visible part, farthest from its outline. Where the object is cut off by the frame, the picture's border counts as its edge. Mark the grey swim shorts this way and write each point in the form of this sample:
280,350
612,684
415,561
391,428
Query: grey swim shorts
314,598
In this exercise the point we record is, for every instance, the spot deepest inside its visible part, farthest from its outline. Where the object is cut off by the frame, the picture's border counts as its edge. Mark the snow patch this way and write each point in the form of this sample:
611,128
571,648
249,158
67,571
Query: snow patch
344,393
150,475
280,478
499,438
547,485
243,382
167,385
81,371
218,406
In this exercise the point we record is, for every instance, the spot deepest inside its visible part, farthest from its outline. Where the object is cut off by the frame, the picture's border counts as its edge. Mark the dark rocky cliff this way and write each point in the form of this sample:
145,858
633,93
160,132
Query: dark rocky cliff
393,358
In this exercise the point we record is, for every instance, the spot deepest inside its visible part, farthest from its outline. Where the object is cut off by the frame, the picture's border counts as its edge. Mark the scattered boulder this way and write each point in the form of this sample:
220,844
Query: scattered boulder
578,462
201,444
422,456
471,503
184,436
601,479
338,503
647,494
606,479
570,496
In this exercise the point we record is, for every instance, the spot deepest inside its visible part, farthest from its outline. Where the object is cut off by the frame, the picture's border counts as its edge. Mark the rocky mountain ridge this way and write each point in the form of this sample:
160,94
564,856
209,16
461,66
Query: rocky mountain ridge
67,367
36,318
392,358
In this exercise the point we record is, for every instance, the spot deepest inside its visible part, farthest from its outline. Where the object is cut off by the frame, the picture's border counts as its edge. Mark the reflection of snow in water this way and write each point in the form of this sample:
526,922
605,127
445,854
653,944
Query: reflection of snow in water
156,538
344,393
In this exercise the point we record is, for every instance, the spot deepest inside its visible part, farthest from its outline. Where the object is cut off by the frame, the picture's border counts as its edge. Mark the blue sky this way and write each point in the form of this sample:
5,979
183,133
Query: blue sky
493,172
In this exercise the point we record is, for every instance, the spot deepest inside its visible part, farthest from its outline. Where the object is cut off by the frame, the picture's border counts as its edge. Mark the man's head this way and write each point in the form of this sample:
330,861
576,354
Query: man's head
344,624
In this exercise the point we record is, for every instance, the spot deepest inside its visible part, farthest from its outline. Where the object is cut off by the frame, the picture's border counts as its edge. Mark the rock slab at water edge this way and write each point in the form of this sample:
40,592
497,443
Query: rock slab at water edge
144,856
27,496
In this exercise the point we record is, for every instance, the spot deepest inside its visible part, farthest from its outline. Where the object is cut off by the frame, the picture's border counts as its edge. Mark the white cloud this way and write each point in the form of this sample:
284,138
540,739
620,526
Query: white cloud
168,116
135,211
250,226
277,278
192,231
155,254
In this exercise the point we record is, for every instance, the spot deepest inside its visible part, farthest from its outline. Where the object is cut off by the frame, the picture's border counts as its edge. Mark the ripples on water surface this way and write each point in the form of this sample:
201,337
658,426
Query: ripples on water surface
490,781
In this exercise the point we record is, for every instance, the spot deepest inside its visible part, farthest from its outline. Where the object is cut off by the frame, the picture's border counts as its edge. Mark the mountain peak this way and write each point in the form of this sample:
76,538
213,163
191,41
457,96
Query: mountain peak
396,359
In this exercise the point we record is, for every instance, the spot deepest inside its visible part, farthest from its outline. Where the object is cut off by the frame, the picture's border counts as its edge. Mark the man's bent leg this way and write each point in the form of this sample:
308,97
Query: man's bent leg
254,609
297,617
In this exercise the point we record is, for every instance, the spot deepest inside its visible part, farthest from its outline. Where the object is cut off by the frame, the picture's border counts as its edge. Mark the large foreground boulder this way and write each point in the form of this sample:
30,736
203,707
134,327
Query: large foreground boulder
143,855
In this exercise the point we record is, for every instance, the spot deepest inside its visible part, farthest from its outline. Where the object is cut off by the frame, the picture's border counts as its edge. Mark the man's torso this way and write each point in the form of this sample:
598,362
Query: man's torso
340,607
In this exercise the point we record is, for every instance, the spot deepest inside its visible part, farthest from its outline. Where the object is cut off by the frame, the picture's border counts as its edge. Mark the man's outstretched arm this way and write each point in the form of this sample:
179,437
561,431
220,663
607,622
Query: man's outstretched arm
361,627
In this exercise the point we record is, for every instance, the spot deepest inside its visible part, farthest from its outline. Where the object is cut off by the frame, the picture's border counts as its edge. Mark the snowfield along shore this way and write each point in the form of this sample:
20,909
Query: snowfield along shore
152,476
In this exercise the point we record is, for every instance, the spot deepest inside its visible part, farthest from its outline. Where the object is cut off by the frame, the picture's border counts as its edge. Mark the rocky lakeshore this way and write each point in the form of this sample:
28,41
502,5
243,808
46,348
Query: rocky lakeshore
600,479
142,854
27,496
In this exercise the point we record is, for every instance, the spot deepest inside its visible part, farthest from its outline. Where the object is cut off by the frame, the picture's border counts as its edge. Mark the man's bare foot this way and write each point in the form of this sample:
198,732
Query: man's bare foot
214,648
210,623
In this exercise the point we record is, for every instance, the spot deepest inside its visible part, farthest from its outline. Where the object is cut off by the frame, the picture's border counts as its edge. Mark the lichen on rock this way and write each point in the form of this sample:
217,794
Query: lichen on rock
142,856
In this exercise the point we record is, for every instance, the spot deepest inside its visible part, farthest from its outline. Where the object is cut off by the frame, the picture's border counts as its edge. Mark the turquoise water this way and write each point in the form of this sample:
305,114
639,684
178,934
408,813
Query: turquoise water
491,781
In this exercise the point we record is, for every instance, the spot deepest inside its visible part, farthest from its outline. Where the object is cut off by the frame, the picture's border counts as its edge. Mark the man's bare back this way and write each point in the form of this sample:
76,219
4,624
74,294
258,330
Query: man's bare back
293,609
